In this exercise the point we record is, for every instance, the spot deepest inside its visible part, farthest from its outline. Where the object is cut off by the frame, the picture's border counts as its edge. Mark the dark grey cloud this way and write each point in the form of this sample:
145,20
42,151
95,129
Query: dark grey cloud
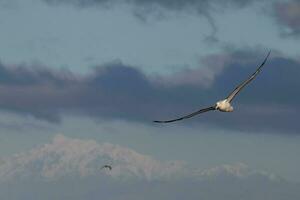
176,5
118,91
158,9
288,16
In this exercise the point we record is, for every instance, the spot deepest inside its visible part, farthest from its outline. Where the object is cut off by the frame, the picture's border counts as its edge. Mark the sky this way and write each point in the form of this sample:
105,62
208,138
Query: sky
82,80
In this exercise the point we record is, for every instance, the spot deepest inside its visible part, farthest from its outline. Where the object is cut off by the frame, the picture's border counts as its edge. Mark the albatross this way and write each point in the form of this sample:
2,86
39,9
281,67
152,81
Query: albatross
225,104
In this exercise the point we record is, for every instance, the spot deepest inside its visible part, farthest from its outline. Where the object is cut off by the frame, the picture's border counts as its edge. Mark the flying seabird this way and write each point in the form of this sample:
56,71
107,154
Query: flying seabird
106,167
222,105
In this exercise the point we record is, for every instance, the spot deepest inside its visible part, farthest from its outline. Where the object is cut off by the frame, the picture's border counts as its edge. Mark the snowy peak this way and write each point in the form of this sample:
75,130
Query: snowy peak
65,157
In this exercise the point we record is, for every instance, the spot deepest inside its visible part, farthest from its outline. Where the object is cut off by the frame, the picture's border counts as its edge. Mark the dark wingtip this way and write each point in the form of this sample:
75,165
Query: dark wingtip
267,55
265,60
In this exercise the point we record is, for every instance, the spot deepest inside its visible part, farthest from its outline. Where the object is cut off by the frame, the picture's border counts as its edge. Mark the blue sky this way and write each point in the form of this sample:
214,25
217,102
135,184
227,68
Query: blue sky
101,71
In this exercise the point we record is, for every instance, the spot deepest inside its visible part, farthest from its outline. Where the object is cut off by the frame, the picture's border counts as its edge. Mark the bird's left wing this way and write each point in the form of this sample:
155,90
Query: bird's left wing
188,116
240,87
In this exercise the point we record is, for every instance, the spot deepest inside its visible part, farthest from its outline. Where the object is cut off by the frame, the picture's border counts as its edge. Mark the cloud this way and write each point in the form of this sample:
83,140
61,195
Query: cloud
161,9
150,5
119,91
70,168
288,16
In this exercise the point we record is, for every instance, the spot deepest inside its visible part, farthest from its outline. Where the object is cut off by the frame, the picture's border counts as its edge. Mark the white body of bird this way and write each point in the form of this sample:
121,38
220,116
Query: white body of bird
224,106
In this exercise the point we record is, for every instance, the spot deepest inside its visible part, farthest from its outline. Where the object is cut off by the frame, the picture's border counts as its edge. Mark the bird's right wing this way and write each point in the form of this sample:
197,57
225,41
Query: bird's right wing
243,84
188,116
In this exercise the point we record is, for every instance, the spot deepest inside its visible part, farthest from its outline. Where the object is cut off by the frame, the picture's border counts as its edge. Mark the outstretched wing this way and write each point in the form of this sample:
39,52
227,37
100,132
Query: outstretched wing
188,116
242,85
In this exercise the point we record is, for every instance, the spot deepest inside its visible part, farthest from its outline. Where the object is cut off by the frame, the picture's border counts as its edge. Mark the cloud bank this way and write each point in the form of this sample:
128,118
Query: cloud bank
119,91
71,168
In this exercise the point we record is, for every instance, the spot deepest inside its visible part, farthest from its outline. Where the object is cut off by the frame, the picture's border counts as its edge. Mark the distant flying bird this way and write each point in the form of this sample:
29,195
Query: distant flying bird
106,167
223,105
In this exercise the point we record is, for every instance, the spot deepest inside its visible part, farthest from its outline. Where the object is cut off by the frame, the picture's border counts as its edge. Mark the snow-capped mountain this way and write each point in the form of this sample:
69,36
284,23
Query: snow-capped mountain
76,157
